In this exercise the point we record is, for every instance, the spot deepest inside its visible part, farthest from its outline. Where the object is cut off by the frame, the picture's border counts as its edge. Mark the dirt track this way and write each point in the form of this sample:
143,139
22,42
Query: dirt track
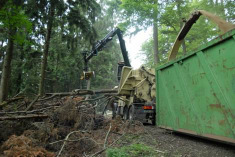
175,144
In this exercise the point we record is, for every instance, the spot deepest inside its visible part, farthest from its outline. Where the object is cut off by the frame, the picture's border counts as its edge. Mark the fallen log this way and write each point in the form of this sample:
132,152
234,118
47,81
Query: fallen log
79,92
29,112
73,93
104,91
32,103
23,117
82,92
10,101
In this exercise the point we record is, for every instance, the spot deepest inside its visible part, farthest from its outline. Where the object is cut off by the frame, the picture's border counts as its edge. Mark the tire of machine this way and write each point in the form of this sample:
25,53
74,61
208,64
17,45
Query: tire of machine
125,113
131,113
118,110
154,120
113,112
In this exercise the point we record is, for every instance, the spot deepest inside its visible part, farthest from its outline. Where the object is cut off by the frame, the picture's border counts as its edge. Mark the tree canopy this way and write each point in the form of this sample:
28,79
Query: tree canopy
41,42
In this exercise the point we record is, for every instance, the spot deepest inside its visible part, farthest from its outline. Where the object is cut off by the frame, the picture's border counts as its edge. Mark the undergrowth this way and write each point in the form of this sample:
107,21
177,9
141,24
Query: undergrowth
133,150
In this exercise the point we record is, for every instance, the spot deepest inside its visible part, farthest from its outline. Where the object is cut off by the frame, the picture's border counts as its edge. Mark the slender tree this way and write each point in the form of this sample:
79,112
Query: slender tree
155,34
2,3
15,23
179,11
6,71
46,47
173,14
79,14
142,14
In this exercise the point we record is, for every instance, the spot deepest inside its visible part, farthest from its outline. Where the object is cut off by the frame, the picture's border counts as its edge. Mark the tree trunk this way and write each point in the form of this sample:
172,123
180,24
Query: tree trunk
19,77
6,70
80,83
2,3
181,24
45,52
155,35
223,9
155,42
1,58
55,84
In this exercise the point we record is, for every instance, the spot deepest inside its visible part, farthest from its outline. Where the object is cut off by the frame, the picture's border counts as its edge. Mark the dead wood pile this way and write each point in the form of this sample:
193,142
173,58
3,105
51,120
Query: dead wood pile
17,146
60,126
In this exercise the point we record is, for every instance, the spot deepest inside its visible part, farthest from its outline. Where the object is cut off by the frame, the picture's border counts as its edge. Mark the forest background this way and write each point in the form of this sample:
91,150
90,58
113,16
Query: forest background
41,42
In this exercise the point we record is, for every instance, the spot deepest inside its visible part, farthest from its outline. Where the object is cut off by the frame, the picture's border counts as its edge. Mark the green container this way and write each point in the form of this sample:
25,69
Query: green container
196,93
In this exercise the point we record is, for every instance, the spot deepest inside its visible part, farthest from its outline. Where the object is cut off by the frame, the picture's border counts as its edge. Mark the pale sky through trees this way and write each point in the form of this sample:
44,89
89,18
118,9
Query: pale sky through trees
134,44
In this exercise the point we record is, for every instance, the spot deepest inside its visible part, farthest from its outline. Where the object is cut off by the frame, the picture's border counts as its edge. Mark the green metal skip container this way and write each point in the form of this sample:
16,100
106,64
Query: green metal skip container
196,93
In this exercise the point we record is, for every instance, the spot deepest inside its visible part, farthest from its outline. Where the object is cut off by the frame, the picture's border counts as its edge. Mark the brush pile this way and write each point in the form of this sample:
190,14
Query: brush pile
60,126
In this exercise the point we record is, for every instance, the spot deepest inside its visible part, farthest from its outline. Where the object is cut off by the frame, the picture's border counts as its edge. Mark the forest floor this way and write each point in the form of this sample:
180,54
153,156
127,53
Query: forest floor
69,126
176,144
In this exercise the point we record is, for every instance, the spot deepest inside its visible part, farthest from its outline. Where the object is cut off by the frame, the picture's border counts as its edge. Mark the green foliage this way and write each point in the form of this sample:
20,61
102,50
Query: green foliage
72,31
13,18
105,63
170,23
138,14
79,24
147,51
133,150
115,152
25,70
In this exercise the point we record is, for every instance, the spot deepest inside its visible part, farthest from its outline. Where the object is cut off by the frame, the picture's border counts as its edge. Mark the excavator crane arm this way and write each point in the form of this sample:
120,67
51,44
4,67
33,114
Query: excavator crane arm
100,45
